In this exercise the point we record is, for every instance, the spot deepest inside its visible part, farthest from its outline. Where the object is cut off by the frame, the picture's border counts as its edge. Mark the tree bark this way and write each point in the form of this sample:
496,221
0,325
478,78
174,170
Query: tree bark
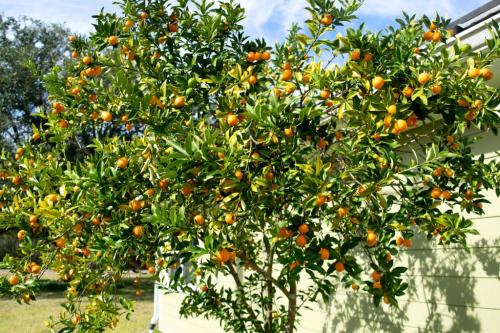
292,307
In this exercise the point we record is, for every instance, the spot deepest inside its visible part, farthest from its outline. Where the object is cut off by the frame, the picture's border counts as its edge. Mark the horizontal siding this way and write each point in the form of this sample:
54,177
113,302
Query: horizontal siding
171,322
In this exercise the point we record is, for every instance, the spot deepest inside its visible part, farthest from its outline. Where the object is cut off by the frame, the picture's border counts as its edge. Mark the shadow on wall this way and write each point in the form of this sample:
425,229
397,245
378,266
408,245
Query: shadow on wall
441,296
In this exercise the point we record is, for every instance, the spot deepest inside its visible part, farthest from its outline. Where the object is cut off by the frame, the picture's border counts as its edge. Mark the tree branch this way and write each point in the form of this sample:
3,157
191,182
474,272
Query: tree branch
239,285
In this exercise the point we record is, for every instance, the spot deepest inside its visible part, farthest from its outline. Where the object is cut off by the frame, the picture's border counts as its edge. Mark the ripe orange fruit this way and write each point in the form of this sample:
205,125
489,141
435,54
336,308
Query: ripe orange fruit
266,56
388,256
303,229
378,82
52,197
60,242
163,184
151,269
288,132
179,102
449,172
412,120
446,195
87,60
376,276
368,57
286,75
371,238
150,192
144,15
320,200
416,50
251,56
322,143
400,125
138,231
122,163
486,73
428,35
408,91
284,233
229,218
436,89
21,234
469,195
343,211
301,240
294,264
199,219
433,26
269,176
258,56
356,55
35,136
71,38
326,19
339,266
463,103
408,243
324,94
238,174
436,192
473,73
74,54
129,24
113,40
252,80
173,27
392,109
223,255
436,36
58,107
470,115
16,180
106,116
324,254
13,280
423,78
387,121
355,286
135,205
437,172
96,221
35,268
232,120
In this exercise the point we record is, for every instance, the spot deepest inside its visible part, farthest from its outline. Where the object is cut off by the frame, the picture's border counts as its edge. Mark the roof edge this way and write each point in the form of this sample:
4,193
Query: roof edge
478,15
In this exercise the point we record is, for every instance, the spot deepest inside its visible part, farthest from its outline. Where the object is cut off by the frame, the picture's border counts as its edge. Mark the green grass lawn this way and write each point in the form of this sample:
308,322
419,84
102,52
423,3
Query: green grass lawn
30,318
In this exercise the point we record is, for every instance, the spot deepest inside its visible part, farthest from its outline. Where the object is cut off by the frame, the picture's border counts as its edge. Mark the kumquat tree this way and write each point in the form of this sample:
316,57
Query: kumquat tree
176,141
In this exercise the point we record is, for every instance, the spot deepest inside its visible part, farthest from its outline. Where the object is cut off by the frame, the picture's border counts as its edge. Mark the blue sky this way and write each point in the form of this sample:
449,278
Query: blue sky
267,18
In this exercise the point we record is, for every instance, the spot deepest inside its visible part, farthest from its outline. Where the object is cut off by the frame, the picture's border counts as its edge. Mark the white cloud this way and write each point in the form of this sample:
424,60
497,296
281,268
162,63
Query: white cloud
272,18
265,18
75,14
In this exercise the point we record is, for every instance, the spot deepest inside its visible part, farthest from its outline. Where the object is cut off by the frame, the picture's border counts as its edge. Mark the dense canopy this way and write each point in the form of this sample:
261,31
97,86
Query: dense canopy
295,170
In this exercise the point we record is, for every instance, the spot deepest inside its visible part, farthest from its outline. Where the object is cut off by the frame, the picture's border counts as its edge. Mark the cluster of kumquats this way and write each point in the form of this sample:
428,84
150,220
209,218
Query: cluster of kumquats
174,140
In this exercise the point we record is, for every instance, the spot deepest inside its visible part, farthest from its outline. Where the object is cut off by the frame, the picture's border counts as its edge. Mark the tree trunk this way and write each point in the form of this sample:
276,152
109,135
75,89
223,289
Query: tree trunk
292,307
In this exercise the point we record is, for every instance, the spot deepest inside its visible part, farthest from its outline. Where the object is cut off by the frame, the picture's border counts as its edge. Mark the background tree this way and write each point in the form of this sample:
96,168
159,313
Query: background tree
28,50
290,176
